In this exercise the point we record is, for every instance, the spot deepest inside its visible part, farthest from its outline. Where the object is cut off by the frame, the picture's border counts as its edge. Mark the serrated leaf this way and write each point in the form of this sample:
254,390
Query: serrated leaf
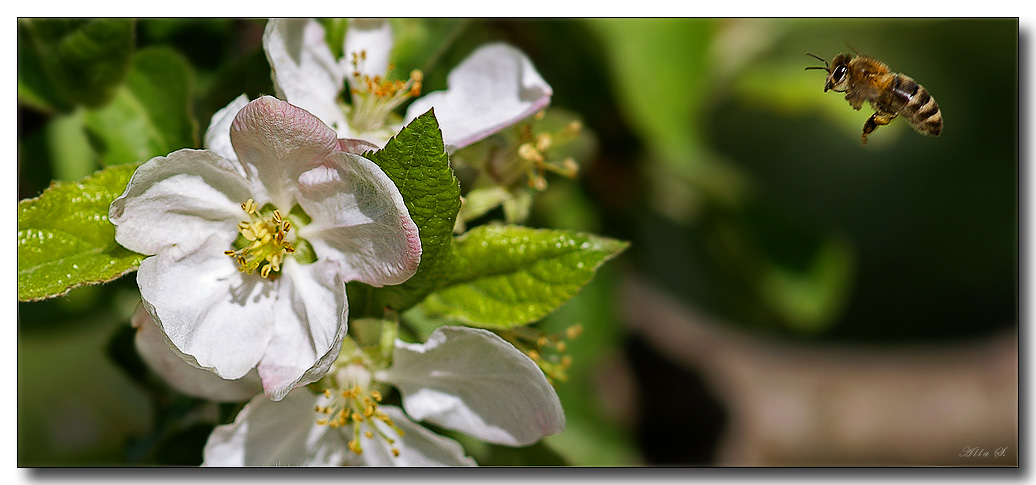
416,161
65,239
506,276
85,60
150,114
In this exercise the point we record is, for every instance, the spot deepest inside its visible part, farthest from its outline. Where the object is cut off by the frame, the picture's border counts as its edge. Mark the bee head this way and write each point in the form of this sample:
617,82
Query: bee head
838,76
837,72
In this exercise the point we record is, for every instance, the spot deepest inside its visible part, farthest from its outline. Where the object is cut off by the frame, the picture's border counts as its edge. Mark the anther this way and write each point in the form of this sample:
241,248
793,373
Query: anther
574,331
543,141
267,236
538,183
529,152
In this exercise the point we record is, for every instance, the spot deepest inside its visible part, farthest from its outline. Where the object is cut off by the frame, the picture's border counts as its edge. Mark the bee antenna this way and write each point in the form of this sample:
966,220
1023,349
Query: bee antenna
821,59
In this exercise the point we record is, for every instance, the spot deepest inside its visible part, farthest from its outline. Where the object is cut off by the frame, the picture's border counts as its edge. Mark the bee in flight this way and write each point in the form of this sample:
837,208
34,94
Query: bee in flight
864,78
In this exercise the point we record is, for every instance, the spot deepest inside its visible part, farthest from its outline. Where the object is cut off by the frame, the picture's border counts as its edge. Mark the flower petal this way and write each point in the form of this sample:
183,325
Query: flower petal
305,72
309,323
418,446
495,87
372,38
283,433
209,310
217,136
157,352
275,142
359,220
356,146
179,200
471,380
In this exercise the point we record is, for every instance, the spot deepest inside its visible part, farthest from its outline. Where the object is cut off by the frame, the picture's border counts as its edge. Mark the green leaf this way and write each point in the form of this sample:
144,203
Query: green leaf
84,60
34,86
635,47
421,42
673,122
416,161
506,276
812,298
65,239
71,155
150,114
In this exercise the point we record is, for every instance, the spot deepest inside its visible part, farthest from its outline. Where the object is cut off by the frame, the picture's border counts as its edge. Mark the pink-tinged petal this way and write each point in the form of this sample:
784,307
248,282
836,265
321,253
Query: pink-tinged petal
473,381
210,311
418,446
355,146
217,136
275,142
276,433
359,220
373,38
161,357
180,200
305,72
309,323
495,87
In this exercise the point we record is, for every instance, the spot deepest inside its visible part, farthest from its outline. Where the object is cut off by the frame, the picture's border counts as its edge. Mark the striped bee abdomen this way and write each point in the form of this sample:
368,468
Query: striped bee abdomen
915,104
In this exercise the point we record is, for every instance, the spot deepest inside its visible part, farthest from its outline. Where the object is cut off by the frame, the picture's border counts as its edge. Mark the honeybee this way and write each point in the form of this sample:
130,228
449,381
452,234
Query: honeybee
864,78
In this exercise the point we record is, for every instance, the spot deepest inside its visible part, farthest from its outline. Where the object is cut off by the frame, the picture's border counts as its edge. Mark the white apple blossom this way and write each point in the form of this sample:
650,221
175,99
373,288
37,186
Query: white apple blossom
250,254
464,379
156,352
493,88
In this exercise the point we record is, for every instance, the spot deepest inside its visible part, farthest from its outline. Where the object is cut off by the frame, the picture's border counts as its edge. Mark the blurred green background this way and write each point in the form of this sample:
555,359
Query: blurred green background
742,186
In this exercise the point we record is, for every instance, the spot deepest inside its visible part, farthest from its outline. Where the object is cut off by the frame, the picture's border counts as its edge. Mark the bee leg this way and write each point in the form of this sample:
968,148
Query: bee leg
854,99
876,120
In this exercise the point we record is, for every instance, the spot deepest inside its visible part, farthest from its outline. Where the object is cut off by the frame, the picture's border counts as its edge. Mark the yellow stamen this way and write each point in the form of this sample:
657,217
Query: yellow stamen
268,234
374,97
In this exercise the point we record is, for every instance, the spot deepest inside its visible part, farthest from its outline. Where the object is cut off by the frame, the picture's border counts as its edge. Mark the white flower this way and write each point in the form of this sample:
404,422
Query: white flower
251,254
495,87
172,368
465,379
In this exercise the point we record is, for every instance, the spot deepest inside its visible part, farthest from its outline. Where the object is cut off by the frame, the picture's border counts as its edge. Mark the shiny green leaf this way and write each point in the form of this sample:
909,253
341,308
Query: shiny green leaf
506,276
65,239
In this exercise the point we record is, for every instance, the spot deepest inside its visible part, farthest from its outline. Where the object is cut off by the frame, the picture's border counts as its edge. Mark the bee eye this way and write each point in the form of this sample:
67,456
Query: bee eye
839,73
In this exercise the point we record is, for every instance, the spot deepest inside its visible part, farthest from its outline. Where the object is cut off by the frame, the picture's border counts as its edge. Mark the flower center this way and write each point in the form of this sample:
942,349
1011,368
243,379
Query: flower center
374,97
262,242
531,152
353,402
